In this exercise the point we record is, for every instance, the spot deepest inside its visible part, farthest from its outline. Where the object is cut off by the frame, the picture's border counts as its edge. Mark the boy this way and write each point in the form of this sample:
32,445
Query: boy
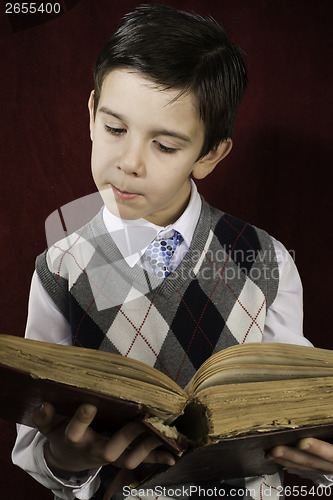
167,88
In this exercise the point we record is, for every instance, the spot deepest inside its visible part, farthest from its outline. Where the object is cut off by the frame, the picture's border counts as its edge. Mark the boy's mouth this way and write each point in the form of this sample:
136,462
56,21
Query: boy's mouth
124,195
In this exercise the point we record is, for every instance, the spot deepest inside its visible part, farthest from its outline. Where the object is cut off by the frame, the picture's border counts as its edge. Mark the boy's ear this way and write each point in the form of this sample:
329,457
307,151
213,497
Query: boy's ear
91,113
207,164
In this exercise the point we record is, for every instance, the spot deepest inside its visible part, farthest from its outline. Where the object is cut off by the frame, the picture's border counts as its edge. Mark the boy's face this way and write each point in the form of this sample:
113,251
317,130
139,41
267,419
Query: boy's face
145,147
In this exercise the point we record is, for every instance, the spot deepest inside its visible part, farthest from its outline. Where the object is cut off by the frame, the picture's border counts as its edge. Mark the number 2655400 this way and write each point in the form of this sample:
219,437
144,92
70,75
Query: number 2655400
32,8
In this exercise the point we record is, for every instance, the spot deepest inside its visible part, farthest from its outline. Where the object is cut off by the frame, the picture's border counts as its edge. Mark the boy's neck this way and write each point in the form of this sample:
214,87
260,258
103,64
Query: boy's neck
162,220
185,224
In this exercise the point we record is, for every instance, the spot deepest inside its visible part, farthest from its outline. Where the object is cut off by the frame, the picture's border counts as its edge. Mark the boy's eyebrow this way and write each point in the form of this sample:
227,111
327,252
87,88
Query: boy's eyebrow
170,133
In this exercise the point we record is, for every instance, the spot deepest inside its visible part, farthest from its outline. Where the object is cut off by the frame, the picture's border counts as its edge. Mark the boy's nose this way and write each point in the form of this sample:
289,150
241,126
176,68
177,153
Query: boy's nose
131,161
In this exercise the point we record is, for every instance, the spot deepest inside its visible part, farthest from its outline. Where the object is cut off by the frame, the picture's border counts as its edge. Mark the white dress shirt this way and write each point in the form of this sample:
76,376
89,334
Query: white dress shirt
45,322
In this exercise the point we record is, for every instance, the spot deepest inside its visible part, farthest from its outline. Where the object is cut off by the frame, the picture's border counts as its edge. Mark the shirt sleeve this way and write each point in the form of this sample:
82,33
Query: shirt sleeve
46,323
284,319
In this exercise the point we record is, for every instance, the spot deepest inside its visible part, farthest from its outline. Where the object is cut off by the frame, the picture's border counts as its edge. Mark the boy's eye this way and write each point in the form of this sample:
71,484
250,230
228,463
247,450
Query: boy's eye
164,149
114,130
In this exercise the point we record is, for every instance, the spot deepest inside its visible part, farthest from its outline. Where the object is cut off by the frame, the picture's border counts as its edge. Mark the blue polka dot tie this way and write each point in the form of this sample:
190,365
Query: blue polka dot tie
160,252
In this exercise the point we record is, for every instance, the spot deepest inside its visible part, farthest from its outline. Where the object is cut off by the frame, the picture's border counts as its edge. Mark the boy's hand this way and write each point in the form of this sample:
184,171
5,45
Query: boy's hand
74,446
309,455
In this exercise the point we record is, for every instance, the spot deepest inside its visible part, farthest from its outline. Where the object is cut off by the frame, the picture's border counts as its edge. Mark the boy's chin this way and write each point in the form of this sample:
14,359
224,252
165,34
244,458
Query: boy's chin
119,210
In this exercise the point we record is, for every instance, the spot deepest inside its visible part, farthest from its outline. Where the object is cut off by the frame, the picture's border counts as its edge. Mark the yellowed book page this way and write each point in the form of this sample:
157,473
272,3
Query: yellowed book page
103,362
267,406
234,374
263,353
161,401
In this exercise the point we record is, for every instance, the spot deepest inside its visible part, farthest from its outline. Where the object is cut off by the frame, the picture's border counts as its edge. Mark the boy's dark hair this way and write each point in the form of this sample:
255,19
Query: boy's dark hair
180,50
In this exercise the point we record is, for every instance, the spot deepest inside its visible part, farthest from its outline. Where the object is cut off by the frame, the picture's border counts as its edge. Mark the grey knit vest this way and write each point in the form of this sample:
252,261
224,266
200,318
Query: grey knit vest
217,296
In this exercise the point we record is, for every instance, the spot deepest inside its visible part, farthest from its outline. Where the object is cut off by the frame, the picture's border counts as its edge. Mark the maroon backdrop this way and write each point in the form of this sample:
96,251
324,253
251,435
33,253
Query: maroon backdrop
276,177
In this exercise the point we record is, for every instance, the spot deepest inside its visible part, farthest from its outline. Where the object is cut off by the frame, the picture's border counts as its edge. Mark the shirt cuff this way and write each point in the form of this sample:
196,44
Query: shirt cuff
82,487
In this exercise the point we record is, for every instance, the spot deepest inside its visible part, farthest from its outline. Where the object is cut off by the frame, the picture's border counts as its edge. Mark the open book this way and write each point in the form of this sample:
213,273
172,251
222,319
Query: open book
255,390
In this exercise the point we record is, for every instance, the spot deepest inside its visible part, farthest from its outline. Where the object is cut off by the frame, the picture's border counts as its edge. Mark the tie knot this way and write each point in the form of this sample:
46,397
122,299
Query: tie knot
160,252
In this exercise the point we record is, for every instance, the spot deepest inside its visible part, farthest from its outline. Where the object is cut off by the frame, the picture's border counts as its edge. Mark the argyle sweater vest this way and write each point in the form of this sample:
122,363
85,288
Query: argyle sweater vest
217,296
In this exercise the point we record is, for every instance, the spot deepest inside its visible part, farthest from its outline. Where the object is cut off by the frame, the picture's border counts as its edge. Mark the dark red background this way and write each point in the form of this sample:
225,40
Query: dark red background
277,176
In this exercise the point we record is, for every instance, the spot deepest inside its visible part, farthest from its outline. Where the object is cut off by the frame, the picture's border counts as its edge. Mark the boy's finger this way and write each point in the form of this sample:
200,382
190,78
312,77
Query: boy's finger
43,417
160,457
317,447
286,464
122,440
131,446
145,451
293,458
80,422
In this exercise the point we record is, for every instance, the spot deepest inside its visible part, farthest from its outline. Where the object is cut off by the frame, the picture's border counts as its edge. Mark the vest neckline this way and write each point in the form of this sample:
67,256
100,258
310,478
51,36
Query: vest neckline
141,279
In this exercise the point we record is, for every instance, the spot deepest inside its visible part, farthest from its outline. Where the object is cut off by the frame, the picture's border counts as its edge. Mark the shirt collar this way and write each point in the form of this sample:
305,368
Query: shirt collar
132,237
